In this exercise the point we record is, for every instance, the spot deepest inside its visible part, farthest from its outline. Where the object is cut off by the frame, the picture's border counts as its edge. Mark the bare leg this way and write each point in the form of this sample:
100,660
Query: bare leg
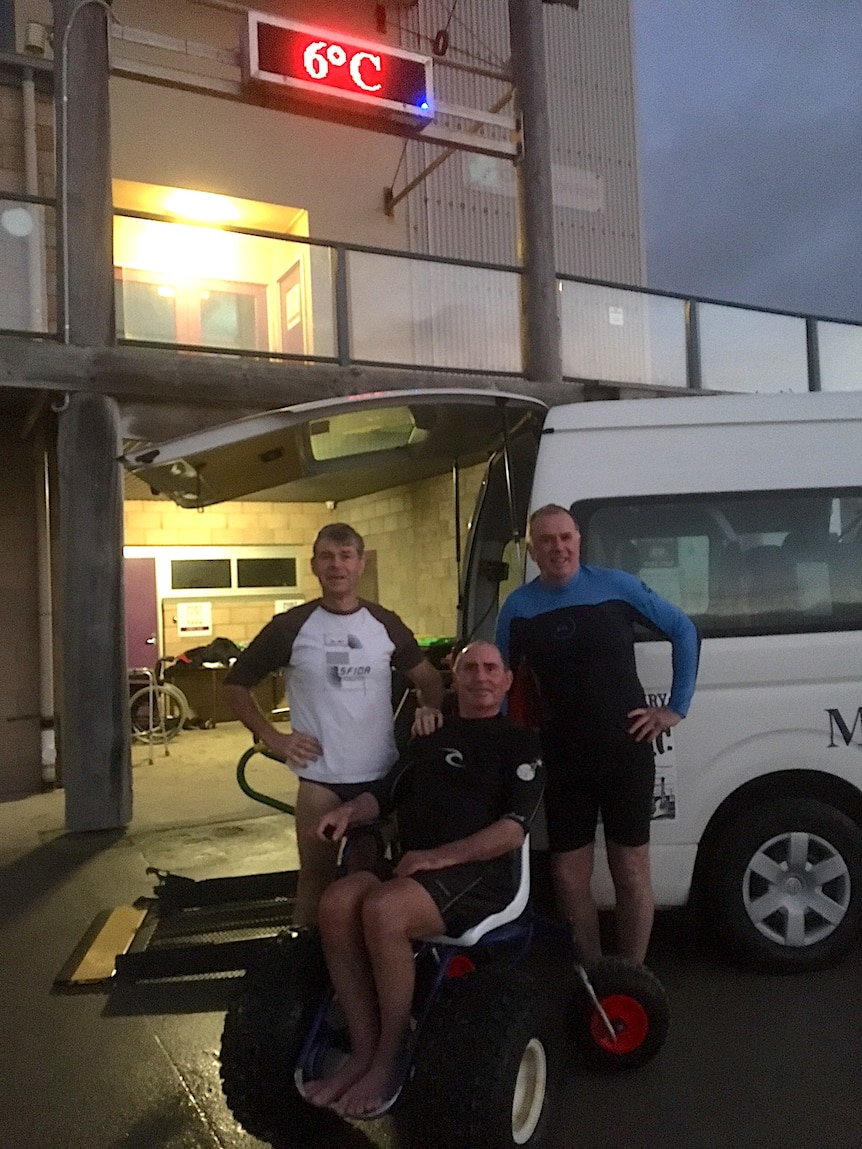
317,860
352,979
572,872
635,909
393,915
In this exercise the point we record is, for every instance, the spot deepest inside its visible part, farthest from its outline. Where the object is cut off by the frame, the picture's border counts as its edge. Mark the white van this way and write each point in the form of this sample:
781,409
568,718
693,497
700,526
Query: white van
747,512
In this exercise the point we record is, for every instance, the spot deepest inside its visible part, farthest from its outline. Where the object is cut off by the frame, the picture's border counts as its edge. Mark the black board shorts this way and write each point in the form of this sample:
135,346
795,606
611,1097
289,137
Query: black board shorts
467,894
612,777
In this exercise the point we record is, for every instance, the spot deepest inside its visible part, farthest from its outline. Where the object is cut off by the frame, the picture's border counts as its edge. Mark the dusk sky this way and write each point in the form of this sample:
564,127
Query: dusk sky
751,150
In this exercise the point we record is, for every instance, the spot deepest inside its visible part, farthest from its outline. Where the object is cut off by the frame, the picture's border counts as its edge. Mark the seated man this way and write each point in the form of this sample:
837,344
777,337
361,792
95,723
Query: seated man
465,797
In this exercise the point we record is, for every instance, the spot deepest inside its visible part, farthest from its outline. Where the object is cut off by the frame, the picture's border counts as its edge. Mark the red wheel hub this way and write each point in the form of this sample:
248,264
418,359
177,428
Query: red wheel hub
629,1020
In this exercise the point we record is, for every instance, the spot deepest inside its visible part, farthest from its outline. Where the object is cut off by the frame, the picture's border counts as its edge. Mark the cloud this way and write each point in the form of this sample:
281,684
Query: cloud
751,164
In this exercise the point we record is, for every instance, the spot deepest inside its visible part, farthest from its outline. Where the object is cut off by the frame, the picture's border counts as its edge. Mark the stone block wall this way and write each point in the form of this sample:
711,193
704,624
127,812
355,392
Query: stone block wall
410,529
20,765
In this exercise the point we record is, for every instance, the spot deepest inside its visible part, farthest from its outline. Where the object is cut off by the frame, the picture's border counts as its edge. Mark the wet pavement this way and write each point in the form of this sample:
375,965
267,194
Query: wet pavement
752,1062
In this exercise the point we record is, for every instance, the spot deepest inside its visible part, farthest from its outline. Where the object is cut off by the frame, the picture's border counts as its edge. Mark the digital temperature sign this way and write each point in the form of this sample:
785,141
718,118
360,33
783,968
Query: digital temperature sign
325,66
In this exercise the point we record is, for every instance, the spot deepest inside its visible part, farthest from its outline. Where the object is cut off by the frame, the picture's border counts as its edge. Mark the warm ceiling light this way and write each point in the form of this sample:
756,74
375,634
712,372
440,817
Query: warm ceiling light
202,206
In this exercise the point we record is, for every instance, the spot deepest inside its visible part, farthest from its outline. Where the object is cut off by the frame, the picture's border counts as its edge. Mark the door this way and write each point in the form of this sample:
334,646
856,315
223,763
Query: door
142,612
292,310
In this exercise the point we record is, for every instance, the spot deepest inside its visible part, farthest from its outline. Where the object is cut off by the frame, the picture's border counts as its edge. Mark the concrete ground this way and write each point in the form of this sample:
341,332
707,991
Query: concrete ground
137,1068
752,1062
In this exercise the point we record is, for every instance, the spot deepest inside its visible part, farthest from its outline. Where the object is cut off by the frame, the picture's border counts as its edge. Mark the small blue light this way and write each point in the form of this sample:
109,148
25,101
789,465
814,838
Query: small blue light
424,106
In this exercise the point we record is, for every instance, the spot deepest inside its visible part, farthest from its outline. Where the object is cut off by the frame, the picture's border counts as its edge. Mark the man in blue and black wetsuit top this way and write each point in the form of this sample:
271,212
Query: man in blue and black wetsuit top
572,627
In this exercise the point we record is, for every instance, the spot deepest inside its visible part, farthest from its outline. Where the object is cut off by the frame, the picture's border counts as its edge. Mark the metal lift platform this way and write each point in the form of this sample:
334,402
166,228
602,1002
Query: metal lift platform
187,928
191,928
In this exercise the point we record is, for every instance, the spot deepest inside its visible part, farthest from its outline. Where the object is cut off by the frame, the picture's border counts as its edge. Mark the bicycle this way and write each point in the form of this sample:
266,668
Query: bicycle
158,709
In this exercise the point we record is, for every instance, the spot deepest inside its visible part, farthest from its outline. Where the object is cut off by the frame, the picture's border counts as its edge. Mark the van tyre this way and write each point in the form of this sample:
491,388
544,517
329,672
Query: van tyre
783,886
263,1034
636,1006
483,1066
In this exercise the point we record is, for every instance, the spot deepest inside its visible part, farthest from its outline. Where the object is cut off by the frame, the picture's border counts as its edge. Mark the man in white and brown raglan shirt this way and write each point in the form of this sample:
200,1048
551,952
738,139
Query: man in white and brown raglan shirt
337,653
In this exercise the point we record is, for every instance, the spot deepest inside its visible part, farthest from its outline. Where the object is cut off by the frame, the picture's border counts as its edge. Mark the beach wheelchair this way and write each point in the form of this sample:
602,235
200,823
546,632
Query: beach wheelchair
484,1054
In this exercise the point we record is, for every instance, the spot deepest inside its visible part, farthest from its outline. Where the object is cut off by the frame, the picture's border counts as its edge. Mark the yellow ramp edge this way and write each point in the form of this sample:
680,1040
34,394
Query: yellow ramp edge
94,959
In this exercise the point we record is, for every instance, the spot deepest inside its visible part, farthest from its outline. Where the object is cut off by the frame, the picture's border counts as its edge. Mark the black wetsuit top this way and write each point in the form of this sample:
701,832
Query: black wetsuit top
461,779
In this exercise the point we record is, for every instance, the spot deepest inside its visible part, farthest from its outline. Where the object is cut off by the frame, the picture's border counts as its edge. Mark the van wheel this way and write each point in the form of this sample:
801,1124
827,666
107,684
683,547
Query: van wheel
783,886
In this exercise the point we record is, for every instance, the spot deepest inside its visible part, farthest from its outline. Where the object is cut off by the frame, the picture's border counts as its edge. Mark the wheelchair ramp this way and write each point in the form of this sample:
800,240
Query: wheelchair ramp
189,928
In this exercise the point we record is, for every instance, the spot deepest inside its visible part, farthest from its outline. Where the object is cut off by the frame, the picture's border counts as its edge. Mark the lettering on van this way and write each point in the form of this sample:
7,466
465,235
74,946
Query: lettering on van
838,725
665,795
663,745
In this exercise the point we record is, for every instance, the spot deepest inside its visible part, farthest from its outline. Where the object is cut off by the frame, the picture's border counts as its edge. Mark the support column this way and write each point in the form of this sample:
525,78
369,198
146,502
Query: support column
94,728
540,323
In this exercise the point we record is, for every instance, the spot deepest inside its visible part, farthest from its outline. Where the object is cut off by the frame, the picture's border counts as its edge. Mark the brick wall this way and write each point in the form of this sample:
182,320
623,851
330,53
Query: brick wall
36,304
150,523
20,755
20,770
411,529
11,140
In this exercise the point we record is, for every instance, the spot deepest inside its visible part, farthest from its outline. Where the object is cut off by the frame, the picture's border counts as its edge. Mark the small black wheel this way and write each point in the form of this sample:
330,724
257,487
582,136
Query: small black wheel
636,1005
783,886
483,1068
263,1034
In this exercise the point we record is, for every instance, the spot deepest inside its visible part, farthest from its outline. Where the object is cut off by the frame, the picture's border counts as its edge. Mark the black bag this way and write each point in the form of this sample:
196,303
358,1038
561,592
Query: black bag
221,650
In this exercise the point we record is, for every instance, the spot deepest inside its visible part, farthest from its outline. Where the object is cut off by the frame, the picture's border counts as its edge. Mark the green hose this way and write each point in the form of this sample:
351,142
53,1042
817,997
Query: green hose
246,788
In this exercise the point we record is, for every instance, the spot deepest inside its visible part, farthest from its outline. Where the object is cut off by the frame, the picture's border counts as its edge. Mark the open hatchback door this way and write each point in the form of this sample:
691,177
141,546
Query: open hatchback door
337,449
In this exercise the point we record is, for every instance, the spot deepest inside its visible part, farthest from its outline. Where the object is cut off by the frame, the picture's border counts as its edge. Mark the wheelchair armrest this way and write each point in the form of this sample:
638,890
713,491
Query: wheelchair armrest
508,914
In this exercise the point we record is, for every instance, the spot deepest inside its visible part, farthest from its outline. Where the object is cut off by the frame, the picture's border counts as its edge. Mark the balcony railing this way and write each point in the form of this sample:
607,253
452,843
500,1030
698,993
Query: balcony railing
286,296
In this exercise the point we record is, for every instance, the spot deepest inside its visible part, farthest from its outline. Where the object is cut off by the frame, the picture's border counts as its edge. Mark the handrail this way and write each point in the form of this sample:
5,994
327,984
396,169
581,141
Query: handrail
248,789
686,348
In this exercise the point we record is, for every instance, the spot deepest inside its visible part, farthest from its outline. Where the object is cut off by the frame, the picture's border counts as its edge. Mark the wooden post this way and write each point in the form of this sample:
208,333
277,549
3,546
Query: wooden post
540,323
84,199
94,724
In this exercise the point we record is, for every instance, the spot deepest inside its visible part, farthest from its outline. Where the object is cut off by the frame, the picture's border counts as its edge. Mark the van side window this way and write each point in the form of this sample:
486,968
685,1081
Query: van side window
766,563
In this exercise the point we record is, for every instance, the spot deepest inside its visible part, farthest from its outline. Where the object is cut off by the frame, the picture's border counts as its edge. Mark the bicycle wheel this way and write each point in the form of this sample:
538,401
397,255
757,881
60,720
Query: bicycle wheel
158,712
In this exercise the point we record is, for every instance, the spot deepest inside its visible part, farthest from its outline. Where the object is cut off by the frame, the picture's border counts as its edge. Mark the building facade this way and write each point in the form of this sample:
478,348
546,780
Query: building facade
198,162
264,253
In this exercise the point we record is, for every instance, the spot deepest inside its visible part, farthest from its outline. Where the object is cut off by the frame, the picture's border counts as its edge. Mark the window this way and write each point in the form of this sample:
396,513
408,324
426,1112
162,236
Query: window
361,432
199,574
766,563
208,572
202,312
266,572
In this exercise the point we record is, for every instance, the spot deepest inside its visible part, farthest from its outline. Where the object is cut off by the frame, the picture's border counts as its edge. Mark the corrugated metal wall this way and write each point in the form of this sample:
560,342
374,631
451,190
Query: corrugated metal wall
466,208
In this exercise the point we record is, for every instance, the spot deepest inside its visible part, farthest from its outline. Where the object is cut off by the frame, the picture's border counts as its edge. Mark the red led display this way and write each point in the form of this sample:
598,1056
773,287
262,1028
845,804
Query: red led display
322,64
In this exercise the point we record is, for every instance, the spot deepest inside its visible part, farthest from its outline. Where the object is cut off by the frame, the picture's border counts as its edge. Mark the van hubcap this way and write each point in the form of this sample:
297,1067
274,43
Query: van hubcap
796,889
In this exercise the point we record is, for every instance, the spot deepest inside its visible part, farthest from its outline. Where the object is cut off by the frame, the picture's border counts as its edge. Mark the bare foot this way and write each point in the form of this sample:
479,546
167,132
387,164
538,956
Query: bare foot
326,1090
367,1093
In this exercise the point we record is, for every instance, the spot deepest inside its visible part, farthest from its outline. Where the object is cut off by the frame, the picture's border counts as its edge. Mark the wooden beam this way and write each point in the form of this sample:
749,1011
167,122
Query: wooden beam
155,374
